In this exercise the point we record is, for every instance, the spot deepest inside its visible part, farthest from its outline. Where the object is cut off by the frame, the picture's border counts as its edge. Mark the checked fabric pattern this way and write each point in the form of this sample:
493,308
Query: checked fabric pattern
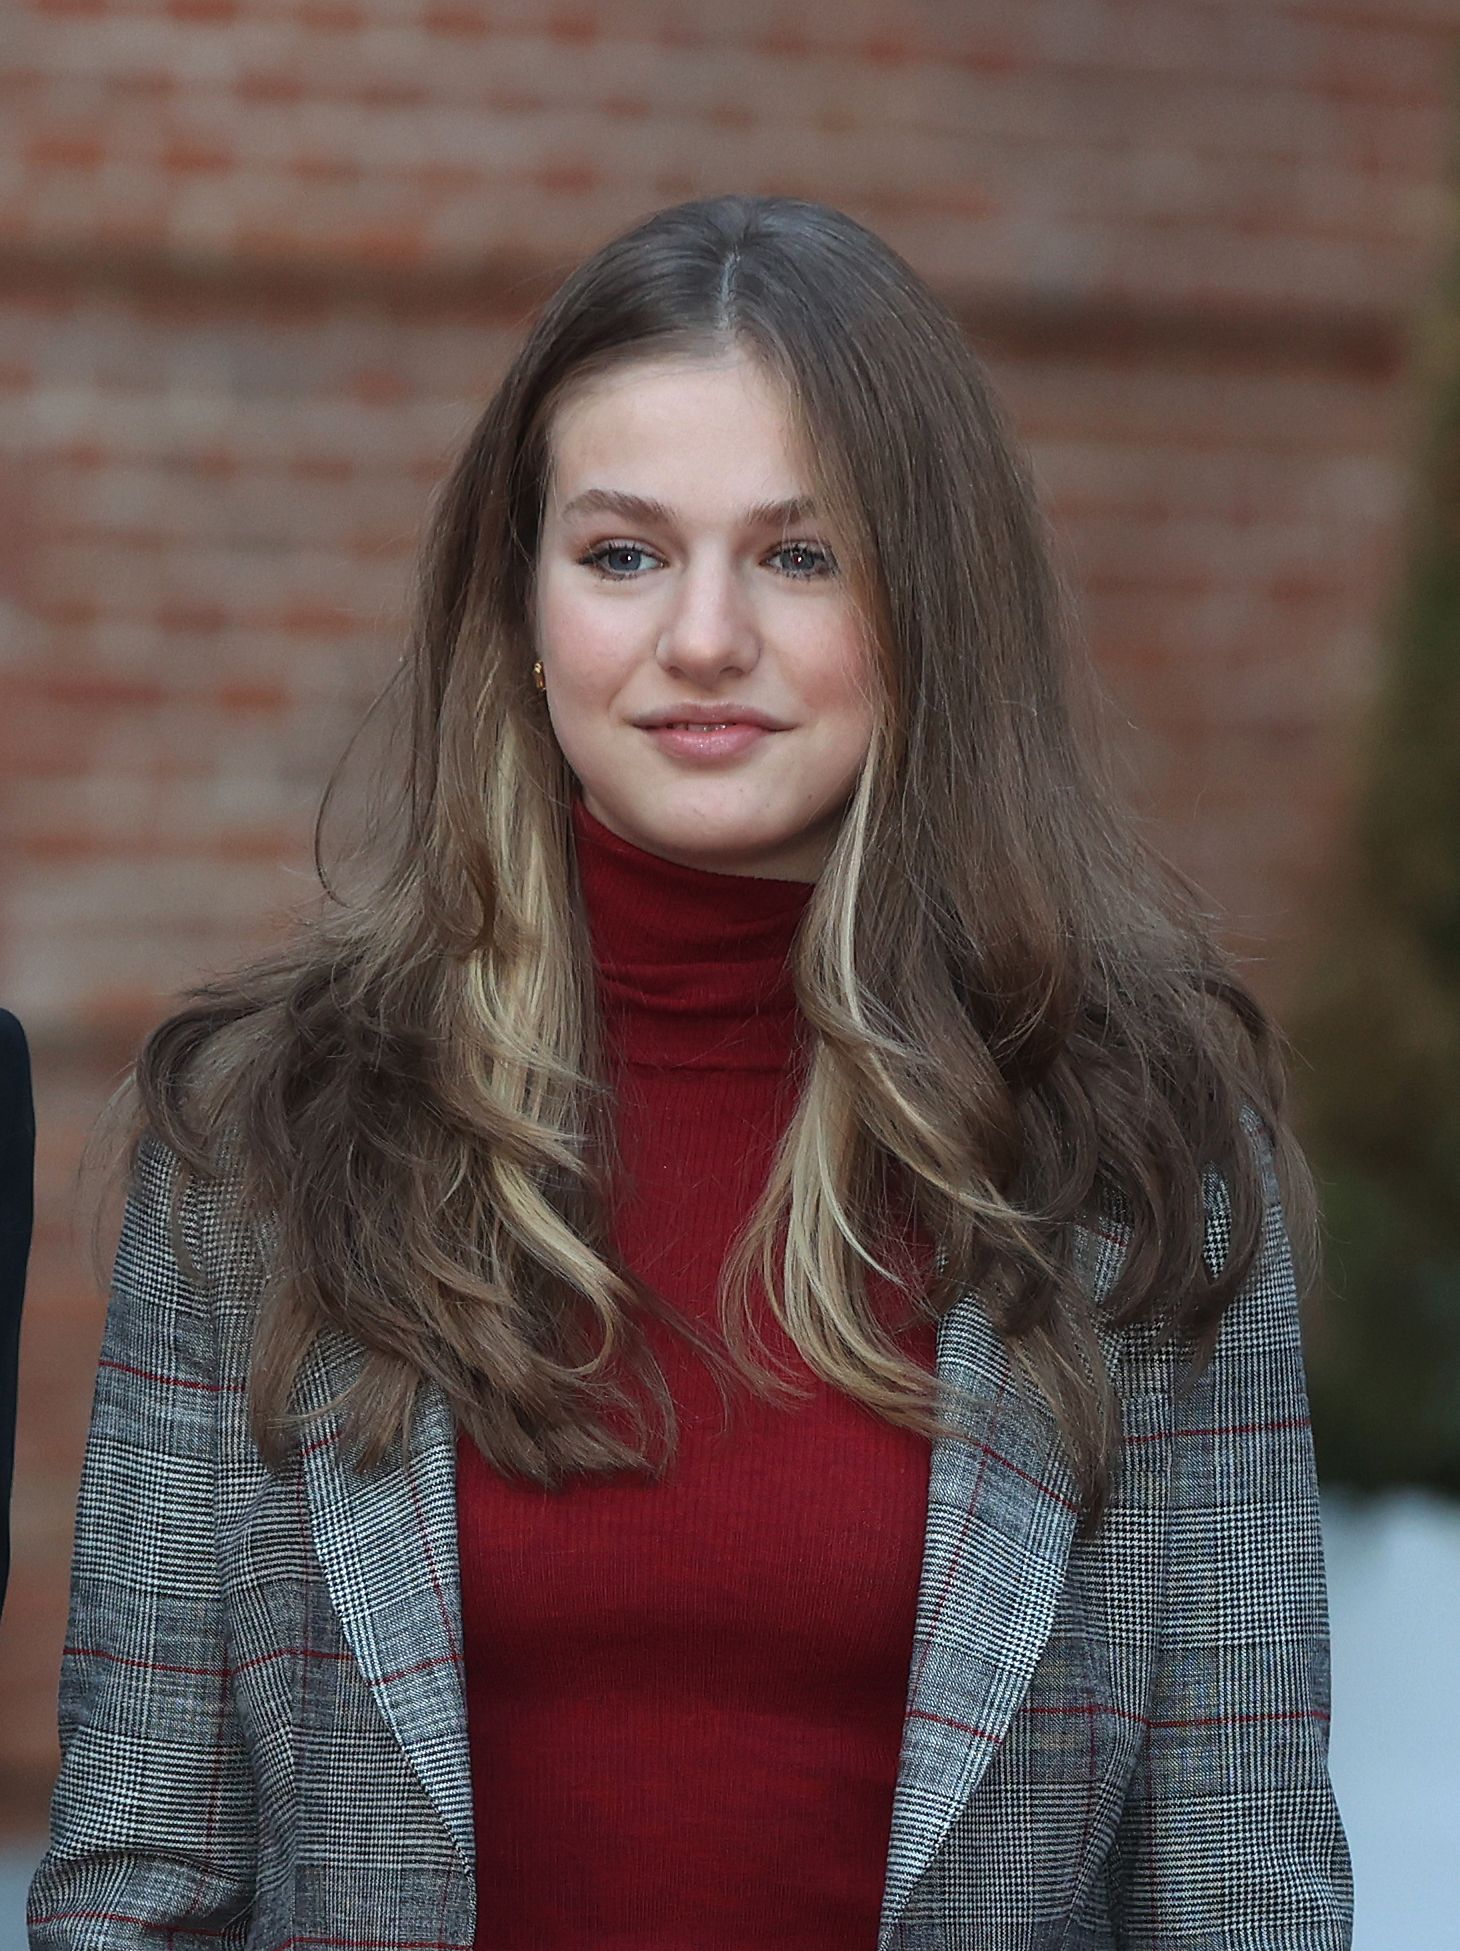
1116,1742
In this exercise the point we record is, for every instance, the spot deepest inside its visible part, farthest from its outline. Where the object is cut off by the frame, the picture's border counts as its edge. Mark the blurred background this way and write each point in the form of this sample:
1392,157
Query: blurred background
263,261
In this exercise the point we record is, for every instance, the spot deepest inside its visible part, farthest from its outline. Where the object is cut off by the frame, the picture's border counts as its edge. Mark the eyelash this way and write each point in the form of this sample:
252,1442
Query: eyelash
594,559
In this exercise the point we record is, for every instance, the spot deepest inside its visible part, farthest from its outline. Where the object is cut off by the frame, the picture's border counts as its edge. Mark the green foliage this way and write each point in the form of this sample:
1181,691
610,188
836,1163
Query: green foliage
1379,1021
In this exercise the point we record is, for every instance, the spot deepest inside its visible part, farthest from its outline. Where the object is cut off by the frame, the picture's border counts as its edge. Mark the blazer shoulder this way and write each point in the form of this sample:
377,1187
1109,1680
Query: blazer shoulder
188,1232
1144,1356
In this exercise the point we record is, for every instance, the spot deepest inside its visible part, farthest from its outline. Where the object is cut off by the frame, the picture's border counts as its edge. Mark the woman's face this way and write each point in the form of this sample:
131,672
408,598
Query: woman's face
682,569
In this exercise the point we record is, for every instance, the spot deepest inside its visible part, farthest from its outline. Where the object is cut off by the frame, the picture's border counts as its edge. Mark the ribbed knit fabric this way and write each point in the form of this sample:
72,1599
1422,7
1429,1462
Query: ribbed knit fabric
685,1699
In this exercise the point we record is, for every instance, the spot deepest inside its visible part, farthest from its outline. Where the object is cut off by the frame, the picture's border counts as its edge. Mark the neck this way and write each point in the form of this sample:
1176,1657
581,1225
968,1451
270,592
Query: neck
693,967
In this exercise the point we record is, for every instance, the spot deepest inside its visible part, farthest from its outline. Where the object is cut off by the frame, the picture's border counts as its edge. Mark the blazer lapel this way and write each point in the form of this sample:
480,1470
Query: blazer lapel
387,1546
1002,1509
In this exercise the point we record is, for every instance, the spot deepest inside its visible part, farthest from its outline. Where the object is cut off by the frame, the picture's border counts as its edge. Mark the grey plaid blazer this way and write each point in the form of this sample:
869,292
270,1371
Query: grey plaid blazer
1116,1742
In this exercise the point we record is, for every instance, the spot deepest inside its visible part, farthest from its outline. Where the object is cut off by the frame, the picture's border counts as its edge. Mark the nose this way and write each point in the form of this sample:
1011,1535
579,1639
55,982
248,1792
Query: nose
711,629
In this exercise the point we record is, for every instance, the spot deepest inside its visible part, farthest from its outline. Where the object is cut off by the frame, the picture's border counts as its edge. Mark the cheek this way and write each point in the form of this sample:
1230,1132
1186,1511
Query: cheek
582,640
837,680
556,613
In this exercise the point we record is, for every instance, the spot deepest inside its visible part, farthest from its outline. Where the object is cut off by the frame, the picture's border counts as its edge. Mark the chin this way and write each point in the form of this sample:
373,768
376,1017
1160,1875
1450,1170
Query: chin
730,841
730,847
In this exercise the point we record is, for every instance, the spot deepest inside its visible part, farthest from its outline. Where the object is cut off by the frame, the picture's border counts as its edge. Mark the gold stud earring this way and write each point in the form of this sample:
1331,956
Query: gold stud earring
538,677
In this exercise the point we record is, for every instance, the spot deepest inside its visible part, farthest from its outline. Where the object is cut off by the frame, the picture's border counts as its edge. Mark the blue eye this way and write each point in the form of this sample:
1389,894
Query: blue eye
812,560
598,559
821,559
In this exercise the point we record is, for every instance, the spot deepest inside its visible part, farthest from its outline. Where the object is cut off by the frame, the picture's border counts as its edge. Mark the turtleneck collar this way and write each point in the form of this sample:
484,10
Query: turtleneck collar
693,969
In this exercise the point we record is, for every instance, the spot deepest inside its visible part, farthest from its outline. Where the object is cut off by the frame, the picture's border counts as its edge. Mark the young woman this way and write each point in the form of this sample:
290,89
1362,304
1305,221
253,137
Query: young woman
714,1359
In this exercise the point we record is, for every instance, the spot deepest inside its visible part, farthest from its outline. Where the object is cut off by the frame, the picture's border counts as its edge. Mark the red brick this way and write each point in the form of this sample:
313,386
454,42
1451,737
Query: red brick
206,12
889,50
334,16
258,696
464,22
255,88
377,386
575,27
193,619
313,169
66,149
191,156
567,178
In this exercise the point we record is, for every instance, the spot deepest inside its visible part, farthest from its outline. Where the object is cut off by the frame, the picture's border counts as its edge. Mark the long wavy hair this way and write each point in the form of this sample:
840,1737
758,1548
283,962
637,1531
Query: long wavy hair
1017,1012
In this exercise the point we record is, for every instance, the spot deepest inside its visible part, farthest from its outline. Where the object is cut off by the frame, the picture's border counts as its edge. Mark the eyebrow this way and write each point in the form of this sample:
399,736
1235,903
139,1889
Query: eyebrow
643,508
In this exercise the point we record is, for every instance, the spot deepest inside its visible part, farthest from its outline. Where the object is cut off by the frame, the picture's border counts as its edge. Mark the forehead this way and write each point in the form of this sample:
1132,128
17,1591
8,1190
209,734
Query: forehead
703,428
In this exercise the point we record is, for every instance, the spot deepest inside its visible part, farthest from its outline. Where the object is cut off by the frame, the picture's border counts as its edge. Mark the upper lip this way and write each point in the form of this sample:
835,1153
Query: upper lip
710,715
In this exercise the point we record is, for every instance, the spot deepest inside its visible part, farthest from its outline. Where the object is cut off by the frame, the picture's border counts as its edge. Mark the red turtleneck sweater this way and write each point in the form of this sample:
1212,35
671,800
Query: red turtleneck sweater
685,1699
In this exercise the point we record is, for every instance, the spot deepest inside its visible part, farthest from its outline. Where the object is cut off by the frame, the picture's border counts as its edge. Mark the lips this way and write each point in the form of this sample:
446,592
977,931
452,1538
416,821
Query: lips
737,715
697,740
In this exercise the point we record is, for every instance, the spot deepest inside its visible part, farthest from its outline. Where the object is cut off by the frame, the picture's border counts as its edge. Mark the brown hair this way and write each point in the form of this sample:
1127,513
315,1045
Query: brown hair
1017,1009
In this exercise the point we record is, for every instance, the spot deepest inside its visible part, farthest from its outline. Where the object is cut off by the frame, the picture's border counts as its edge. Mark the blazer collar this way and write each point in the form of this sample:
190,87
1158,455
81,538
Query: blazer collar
386,1543
1002,1510
1001,1517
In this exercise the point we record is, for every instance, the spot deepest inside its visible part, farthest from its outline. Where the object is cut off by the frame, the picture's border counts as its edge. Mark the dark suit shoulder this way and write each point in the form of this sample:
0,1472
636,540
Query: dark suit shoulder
14,1052
17,1110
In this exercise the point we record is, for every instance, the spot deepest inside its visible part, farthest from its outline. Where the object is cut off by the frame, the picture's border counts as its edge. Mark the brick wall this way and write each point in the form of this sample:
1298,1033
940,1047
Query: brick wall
264,259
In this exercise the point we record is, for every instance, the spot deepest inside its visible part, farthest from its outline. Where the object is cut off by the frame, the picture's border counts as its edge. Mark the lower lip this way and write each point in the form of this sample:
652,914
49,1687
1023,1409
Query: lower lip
687,744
